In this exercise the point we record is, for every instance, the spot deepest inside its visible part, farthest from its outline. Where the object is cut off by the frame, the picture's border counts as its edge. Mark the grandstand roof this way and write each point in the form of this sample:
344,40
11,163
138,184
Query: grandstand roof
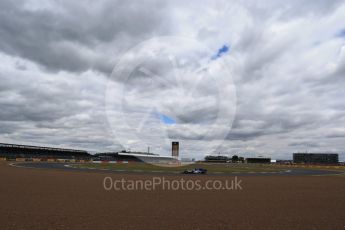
40,148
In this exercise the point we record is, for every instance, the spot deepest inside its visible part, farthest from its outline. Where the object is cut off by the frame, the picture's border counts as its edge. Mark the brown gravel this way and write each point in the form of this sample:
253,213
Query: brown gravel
51,199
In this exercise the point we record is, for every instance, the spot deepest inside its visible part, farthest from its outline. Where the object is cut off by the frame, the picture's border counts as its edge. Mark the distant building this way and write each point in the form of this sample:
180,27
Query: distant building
261,160
175,149
11,151
316,158
217,159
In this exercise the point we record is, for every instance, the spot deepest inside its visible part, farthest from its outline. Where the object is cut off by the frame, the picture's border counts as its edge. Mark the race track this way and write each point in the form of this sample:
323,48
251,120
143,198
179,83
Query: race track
40,196
69,167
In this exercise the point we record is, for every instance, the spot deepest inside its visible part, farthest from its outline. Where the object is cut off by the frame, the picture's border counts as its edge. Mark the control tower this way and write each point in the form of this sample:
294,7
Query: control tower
175,149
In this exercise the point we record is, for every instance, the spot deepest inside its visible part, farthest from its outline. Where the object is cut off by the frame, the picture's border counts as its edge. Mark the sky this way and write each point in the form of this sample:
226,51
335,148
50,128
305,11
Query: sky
252,78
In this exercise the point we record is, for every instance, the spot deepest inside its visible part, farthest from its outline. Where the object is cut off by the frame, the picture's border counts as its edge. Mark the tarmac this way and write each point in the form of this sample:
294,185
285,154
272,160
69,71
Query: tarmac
52,196
69,167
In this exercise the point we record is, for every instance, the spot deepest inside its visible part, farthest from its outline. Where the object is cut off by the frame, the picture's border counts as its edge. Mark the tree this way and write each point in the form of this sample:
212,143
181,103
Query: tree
234,158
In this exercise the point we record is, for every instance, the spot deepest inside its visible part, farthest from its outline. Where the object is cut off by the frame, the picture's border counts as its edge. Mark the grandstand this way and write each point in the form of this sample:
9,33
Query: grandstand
134,156
12,151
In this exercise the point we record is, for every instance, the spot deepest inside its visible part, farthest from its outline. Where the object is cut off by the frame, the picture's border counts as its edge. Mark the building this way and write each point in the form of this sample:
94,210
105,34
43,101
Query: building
316,158
261,160
217,159
12,151
175,149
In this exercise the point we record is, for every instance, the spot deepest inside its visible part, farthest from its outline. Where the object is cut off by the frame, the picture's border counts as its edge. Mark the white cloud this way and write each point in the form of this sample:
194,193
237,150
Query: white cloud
286,59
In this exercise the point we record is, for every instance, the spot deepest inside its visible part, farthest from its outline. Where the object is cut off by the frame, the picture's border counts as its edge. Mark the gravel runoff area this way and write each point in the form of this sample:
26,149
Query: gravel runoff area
55,199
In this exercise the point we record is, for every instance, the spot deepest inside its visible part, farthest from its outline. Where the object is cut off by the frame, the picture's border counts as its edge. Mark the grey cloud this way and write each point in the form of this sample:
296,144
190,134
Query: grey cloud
292,9
304,144
71,37
53,82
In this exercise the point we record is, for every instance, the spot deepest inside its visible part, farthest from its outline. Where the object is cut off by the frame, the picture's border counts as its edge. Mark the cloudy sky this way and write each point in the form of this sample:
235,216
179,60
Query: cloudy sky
252,78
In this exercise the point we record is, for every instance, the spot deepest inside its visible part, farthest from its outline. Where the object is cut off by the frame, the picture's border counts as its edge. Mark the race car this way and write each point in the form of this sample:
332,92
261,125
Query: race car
195,171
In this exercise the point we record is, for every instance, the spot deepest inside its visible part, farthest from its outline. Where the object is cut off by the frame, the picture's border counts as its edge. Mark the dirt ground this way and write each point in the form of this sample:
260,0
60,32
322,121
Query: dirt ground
52,199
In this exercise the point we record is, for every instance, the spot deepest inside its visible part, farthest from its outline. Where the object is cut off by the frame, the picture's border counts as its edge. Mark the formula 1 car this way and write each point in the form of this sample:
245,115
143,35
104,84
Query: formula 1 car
195,171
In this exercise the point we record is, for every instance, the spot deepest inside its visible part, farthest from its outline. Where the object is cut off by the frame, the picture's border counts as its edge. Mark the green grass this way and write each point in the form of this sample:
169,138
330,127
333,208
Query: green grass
222,168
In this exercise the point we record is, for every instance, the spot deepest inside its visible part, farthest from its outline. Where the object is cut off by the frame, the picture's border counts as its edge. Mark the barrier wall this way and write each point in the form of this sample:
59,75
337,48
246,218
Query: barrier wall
61,160
110,162
20,159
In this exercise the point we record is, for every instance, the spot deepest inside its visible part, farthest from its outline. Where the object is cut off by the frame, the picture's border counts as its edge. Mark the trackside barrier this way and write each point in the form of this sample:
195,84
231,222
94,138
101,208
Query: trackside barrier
51,160
66,160
83,161
36,159
20,159
110,162
2,158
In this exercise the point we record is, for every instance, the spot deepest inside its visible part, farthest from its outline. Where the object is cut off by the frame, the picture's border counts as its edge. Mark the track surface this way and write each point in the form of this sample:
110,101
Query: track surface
56,197
52,198
64,166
